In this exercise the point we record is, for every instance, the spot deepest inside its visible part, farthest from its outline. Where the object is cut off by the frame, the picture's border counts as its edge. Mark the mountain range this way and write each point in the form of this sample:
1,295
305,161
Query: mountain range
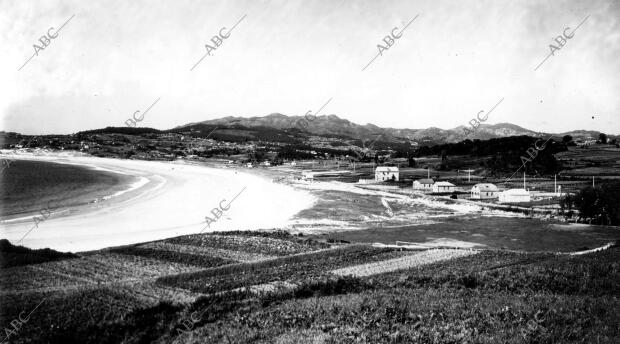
334,126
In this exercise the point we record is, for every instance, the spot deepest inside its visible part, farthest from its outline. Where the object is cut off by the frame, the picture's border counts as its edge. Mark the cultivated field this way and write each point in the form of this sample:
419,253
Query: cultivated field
254,287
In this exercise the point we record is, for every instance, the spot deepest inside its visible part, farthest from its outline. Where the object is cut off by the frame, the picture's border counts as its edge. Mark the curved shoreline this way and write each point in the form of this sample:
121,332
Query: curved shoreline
173,202
83,193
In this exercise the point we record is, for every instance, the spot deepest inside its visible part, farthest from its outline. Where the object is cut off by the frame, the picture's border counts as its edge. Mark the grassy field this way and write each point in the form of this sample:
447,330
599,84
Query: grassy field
512,233
279,288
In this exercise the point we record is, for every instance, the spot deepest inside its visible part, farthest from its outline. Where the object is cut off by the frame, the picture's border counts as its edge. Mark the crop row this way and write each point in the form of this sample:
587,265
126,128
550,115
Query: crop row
237,256
28,277
172,256
594,274
63,313
100,268
292,268
403,263
140,267
489,297
251,244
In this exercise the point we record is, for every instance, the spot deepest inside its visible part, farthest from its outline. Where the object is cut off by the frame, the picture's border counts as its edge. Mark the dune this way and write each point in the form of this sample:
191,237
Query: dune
166,199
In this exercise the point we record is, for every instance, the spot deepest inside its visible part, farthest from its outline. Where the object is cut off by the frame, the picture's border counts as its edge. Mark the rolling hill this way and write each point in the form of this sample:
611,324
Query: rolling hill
283,128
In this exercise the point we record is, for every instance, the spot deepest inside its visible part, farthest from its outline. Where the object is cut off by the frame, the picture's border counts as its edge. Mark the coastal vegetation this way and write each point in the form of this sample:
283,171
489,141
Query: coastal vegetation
12,255
109,296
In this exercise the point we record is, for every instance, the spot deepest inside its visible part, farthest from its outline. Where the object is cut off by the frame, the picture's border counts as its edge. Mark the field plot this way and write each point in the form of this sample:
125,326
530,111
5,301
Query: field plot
513,233
93,270
599,161
292,269
237,256
163,255
402,263
73,312
129,266
278,245
18,279
329,293
133,269
490,297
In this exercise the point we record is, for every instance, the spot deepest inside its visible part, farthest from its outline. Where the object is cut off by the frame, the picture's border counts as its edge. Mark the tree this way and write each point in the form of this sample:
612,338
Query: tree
601,204
602,137
566,205
567,139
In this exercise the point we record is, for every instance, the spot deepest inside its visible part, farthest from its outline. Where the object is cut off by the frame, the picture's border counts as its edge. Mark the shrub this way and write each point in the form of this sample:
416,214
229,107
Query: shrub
11,255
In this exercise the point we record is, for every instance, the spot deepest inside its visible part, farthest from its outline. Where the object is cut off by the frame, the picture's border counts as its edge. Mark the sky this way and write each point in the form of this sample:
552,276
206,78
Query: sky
113,58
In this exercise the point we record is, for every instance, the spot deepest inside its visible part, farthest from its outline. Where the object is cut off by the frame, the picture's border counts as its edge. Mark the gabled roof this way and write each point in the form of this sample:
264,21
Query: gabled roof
519,192
387,169
444,184
426,181
486,187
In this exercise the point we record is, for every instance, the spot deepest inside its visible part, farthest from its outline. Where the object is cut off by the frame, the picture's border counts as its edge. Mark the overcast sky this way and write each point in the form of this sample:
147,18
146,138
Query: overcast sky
457,58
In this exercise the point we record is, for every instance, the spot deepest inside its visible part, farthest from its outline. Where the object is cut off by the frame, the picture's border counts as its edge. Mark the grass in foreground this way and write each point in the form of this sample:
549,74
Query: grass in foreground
490,297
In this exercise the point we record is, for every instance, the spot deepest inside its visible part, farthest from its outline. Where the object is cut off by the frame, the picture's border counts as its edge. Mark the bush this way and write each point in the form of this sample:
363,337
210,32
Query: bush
601,204
11,255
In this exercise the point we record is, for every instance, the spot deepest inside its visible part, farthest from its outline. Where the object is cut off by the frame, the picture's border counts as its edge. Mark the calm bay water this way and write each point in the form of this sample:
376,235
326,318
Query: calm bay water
27,187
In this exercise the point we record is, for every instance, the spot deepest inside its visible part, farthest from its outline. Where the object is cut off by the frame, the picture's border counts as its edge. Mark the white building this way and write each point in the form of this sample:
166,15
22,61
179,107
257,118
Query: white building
484,191
443,187
425,184
307,175
383,173
514,196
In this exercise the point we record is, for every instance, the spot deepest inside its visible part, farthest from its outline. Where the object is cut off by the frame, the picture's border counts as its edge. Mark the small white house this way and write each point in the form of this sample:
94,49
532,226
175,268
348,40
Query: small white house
384,173
307,175
514,196
443,187
249,165
425,184
484,191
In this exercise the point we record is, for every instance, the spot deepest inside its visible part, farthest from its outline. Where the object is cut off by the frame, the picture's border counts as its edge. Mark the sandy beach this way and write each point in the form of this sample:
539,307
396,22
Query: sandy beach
166,199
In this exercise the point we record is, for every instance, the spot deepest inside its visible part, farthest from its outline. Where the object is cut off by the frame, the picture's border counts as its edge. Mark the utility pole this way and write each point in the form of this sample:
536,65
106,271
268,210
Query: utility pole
555,183
524,181
468,174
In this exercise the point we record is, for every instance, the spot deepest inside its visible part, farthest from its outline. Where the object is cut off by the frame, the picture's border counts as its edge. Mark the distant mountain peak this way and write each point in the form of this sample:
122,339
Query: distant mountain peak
333,126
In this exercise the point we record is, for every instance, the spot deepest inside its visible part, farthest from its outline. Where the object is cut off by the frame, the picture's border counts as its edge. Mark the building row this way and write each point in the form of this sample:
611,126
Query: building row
479,191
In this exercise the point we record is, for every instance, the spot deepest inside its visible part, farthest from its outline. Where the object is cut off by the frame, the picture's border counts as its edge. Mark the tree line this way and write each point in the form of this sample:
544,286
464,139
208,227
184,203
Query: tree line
599,205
